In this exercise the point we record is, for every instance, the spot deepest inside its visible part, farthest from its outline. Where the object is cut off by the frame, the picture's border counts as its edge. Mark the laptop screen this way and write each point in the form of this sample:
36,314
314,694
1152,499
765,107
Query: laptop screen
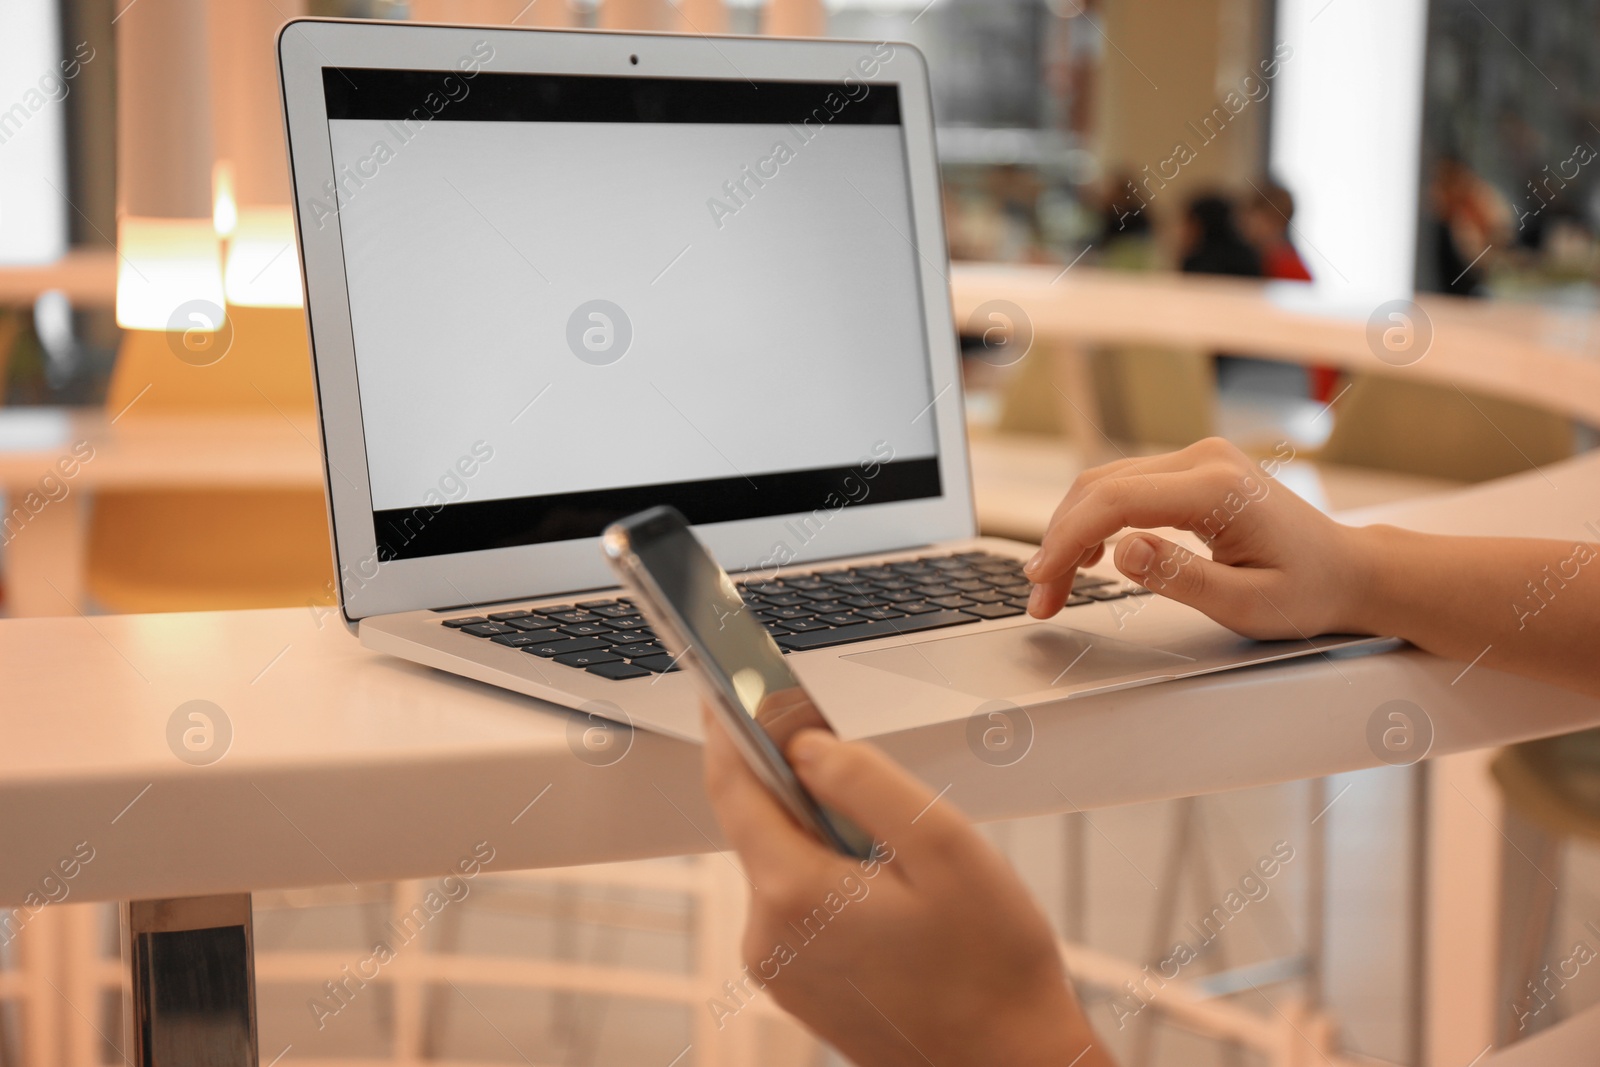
574,297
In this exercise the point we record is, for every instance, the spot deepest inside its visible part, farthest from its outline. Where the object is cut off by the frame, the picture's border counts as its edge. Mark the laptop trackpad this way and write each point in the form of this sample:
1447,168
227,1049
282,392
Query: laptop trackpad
1018,660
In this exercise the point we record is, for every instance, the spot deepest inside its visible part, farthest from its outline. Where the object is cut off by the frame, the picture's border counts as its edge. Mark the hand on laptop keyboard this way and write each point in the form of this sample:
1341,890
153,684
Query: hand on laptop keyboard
1279,568
819,609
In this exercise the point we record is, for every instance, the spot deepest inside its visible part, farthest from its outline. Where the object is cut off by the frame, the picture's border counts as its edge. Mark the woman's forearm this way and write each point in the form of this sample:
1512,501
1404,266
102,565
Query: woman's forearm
1521,605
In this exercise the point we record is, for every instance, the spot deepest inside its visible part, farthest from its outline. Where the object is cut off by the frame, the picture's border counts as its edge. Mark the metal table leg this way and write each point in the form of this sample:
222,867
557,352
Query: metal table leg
189,991
1417,962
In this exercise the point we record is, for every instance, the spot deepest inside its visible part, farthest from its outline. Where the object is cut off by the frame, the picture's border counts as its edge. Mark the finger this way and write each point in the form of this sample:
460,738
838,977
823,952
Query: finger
1222,592
1165,463
757,826
1045,604
1211,452
878,795
1046,601
1141,500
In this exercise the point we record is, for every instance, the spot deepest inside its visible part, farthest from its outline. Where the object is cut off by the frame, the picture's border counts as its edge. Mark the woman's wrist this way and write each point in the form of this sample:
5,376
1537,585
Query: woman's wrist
1369,561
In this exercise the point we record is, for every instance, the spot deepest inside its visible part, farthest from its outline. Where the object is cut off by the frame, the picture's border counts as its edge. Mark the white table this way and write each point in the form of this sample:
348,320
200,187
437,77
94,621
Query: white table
345,764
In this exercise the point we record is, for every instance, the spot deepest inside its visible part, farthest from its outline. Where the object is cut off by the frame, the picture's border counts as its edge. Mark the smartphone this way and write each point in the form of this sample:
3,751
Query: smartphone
697,613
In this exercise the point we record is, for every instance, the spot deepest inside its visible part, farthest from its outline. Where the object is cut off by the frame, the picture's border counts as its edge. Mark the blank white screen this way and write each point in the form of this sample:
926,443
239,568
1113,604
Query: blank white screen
787,336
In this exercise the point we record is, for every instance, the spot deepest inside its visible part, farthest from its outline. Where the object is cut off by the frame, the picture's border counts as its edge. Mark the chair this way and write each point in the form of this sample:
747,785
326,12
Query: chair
1390,423
193,550
1142,394
1152,395
1551,790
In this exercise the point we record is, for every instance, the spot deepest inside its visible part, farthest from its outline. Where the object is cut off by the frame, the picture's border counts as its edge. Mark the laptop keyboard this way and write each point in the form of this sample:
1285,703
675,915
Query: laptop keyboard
820,609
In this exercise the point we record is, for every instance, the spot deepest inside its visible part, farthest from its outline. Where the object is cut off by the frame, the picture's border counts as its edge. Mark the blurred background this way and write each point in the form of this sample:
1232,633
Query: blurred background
1222,166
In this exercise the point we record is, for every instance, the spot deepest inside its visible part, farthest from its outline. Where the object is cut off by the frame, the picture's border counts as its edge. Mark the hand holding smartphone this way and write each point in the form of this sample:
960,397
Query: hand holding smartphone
695,609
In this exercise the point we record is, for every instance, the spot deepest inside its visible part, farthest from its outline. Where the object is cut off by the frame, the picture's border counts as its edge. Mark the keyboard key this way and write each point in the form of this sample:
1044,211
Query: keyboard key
1104,593
949,601
825,594
547,649
993,611
868,601
1089,581
613,611
531,623
592,604
519,640
489,629
894,584
507,616
931,591
868,630
1075,600
628,622
879,613
840,618
763,588
805,584
784,600
919,607
551,609
630,637
618,672
587,659
898,596
661,664
776,626
470,620
637,649
588,629
987,596
573,616
788,613
800,626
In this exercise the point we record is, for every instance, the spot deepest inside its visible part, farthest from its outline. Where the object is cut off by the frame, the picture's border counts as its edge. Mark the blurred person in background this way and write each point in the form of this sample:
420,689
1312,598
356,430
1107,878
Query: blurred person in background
1126,238
1212,243
1268,214
1014,192
1467,217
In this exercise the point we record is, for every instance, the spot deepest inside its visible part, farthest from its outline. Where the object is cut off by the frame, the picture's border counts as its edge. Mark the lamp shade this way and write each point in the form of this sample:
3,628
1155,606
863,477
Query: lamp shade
262,268
169,272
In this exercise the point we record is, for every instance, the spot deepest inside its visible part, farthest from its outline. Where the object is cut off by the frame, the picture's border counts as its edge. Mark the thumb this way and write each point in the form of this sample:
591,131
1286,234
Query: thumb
878,795
1222,592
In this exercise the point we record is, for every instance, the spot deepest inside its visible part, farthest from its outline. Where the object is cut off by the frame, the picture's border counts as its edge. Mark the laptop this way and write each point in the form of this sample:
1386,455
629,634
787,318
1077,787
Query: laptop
556,277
